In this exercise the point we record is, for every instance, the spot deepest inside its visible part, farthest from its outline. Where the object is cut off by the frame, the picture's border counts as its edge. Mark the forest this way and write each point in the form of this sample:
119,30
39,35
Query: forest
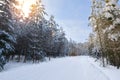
27,35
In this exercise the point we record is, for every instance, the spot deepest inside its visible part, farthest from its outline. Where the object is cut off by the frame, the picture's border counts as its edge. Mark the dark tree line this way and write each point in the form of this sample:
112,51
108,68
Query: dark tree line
29,38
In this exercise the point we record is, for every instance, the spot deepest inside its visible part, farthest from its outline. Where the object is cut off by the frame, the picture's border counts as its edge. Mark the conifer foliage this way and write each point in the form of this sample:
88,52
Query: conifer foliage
29,38
7,38
105,21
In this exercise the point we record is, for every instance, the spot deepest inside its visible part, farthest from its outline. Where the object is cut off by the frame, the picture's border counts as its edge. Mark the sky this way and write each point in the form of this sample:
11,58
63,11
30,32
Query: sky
72,15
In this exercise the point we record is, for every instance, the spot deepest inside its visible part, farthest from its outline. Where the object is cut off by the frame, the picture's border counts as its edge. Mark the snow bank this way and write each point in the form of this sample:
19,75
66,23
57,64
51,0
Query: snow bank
112,72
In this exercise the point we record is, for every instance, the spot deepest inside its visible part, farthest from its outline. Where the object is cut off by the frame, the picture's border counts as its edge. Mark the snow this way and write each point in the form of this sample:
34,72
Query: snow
114,36
110,71
14,64
1,50
69,68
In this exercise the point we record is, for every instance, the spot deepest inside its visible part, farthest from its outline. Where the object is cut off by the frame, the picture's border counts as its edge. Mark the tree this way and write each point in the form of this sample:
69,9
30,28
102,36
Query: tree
6,30
35,36
105,22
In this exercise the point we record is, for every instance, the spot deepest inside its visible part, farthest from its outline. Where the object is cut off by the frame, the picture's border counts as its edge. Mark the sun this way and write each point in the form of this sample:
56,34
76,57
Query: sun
25,6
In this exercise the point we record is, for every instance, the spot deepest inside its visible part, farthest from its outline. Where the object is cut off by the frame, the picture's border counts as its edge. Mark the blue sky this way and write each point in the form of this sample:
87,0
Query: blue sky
72,15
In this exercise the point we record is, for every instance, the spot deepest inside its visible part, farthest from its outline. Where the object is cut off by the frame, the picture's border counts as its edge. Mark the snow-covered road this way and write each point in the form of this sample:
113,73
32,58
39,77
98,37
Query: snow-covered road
70,68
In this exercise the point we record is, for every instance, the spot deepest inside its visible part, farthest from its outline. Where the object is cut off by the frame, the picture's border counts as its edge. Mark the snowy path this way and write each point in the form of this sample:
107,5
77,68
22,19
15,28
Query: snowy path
73,68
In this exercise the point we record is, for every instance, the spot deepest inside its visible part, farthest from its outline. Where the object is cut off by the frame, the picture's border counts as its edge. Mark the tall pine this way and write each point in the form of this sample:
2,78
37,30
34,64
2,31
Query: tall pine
6,31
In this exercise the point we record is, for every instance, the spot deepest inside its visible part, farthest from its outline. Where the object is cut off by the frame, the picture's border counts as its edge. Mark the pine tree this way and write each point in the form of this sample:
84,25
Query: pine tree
6,31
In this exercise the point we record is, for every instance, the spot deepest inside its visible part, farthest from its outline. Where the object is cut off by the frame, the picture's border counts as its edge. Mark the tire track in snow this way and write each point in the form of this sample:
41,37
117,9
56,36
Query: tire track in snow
99,70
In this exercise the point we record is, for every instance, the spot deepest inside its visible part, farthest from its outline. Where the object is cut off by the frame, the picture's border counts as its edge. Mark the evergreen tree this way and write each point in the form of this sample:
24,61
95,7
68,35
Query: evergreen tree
6,31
